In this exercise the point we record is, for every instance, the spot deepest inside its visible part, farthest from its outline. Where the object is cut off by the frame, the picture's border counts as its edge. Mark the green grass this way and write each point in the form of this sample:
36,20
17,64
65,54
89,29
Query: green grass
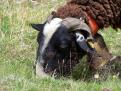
18,50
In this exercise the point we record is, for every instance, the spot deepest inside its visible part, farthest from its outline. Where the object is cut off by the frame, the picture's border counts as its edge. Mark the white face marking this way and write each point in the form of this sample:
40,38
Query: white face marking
80,37
39,71
49,29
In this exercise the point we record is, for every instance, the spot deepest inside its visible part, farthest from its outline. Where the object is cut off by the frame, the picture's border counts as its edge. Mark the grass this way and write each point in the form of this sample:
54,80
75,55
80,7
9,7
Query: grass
18,50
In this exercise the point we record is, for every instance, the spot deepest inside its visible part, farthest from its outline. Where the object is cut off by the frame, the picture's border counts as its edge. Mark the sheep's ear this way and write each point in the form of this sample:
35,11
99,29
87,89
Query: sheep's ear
38,27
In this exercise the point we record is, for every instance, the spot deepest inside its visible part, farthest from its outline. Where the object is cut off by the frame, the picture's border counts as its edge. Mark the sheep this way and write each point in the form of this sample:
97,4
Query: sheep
56,38
96,14
105,12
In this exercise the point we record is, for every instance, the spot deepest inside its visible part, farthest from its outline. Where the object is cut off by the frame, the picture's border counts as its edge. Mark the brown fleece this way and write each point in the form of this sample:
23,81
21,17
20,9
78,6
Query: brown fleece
105,12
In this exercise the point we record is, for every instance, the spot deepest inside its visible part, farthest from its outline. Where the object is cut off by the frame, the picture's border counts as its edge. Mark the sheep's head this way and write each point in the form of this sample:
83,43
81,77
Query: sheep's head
55,40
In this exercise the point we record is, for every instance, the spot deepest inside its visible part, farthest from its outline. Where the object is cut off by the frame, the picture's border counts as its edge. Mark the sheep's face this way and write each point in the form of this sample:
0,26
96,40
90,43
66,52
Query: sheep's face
54,44
55,41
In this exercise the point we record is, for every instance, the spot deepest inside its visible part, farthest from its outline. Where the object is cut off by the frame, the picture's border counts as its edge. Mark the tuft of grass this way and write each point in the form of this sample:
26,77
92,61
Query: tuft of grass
18,49
5,24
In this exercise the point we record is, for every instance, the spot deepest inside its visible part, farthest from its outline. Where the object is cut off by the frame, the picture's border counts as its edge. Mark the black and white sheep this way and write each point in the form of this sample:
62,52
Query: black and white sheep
55,39
55,42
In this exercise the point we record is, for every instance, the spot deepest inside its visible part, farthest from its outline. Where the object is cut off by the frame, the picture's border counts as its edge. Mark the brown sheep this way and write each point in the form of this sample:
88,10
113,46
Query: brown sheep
104,12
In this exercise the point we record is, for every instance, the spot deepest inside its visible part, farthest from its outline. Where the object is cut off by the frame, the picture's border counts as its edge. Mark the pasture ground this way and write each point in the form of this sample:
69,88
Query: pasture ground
18,49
